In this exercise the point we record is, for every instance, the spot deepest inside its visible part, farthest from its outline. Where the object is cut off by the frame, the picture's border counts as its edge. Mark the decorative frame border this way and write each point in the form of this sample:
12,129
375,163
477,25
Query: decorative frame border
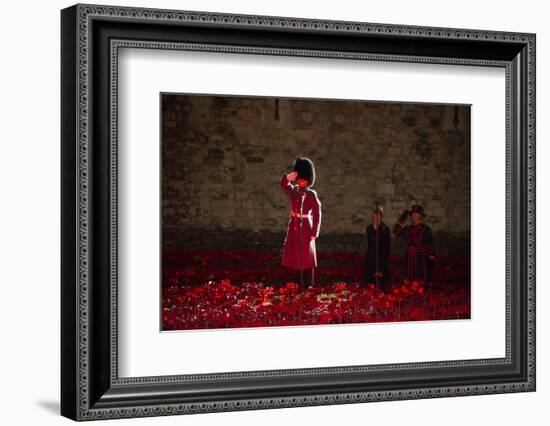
118,44
84,409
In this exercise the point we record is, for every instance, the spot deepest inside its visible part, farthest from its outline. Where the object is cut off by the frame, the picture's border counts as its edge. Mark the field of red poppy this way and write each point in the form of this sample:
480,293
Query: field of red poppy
204,289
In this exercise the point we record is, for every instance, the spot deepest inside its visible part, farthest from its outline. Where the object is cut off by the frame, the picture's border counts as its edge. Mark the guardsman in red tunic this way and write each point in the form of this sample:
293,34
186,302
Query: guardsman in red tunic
419,242
305,220
376,264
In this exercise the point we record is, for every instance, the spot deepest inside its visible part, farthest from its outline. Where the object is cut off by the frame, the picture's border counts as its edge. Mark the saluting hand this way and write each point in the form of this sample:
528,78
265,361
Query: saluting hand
292,176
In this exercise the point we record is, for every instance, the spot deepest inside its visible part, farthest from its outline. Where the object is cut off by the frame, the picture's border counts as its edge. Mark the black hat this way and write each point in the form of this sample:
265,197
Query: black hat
418,209
306,170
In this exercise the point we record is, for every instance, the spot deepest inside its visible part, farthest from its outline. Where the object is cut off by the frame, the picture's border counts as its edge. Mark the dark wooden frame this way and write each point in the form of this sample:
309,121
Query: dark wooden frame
90,386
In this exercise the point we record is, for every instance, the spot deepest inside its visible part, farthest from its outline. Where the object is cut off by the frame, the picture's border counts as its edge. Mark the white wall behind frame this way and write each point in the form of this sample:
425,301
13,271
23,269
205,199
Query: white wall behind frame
29,225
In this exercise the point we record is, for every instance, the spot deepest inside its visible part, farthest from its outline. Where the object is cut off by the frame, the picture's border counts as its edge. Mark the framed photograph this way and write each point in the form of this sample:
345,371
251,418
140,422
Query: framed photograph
267,212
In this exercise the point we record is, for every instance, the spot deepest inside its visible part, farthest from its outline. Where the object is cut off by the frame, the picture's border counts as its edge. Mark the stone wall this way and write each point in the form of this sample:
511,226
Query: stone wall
222,158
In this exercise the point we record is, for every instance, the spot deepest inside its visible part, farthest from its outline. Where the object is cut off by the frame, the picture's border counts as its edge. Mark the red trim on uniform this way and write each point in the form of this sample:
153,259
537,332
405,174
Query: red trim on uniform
414,248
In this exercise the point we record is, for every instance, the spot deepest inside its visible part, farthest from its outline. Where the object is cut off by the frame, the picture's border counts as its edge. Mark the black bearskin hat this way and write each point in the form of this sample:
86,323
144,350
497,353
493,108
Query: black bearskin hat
306,170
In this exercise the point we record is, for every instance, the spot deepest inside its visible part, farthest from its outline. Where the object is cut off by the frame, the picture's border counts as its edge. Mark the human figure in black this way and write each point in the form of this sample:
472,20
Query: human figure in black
419,242
376,265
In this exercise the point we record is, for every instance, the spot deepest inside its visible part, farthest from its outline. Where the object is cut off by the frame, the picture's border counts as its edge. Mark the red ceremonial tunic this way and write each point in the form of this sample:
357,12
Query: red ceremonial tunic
293,257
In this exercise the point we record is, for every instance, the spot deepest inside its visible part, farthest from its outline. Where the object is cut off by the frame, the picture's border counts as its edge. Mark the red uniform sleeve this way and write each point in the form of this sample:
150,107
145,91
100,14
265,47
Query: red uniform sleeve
398,230
316,215
286,185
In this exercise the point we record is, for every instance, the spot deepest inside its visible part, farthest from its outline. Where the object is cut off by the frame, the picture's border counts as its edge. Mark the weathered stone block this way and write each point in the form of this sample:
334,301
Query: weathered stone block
384,188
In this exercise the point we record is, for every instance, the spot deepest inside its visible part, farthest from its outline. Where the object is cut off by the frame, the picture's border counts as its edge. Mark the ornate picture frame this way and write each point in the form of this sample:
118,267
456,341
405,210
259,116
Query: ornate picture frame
90,384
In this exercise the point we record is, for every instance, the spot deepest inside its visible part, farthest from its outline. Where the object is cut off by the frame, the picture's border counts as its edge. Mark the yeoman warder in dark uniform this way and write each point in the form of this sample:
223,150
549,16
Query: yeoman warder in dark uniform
376,266
419,243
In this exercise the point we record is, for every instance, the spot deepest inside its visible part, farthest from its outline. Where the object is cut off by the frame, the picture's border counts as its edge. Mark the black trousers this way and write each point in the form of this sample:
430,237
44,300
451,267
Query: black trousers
309,277
369,271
